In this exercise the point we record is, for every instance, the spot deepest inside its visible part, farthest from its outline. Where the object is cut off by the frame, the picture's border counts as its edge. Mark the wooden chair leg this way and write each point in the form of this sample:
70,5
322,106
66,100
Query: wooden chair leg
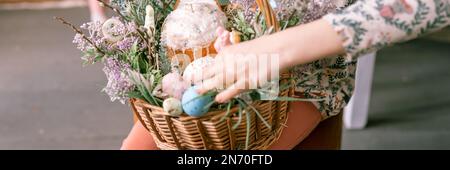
326,136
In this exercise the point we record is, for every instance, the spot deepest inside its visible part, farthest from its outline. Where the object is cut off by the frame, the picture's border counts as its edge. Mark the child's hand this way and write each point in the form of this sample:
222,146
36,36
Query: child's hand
240,67
233,70
223,38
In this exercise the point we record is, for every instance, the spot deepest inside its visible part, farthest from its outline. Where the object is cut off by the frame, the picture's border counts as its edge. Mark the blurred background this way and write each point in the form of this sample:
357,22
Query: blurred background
49,101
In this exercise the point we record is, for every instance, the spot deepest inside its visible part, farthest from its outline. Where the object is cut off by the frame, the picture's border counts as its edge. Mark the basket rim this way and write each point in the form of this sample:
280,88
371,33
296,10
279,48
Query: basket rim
260,144
212,114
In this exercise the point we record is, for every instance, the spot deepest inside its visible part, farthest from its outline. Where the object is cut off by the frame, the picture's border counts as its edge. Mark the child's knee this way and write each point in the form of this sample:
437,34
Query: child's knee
124,144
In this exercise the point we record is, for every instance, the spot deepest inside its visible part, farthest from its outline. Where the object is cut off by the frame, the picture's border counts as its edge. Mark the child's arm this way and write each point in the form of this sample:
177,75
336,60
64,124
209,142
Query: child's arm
139,139
97,12
363,27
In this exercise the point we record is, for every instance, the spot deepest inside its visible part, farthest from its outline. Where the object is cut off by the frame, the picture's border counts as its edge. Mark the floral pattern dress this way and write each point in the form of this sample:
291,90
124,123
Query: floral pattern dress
365,26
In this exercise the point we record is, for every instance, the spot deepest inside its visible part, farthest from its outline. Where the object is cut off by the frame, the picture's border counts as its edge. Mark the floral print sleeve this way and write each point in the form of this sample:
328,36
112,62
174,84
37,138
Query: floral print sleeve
369,25
365,26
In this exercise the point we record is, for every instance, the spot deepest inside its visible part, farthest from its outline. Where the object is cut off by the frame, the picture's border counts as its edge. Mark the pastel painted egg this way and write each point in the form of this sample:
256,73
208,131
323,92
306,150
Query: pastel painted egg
194,71
194,104
110,30
173,106
174,85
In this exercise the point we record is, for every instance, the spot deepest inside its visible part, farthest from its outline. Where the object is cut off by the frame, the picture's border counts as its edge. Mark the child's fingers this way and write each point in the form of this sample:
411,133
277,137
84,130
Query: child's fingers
231,91
210,84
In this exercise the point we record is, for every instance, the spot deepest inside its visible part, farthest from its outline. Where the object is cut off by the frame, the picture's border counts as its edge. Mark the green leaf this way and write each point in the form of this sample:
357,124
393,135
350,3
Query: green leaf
89,52
247,134
228,111
240,118
241,16
250,30
208,105
98,57
145,94
256,112
255,95
85,63
135,94
143,65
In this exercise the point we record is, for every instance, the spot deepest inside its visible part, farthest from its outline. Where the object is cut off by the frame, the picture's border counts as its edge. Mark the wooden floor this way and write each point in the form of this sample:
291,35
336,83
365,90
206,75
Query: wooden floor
48,101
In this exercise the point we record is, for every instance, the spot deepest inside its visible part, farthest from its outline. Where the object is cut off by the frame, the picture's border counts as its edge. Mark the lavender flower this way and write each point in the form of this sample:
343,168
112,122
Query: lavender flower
307,10
94,31
318,8
131,27
126,43
81,43
131,37
121,4
248,6
286,8
119,83
124,34
94,34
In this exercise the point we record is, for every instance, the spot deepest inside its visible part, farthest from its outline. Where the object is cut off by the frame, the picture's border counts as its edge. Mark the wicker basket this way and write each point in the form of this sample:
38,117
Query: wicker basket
209,132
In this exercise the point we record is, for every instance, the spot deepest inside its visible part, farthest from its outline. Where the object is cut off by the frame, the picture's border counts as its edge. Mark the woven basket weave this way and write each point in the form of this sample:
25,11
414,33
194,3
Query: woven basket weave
209,132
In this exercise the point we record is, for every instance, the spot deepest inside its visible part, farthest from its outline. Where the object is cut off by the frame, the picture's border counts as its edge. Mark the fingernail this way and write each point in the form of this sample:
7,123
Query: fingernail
218,99
200,91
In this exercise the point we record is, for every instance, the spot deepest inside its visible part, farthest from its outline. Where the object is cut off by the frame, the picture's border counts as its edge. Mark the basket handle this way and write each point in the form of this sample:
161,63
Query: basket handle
265,8
269,14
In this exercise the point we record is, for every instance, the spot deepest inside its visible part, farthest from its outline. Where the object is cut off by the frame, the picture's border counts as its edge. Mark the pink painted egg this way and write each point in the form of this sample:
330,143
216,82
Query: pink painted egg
194,72
173,85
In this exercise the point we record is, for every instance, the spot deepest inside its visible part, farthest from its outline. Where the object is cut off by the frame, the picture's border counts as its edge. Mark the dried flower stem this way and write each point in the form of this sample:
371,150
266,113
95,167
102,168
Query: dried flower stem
79,32
149,47
140,33
123,17
113,9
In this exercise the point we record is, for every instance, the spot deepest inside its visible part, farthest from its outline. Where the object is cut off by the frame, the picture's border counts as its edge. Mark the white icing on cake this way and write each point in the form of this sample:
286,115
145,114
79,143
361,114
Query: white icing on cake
192,25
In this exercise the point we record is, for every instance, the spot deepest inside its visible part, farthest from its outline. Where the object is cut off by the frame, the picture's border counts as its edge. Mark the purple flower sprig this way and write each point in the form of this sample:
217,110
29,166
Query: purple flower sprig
119,84
315,9
246,6
117,11
81,34
143,35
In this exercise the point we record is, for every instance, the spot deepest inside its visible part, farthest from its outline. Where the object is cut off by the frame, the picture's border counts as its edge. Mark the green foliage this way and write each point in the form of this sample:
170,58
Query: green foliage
146,73
256,26
138,59
145,84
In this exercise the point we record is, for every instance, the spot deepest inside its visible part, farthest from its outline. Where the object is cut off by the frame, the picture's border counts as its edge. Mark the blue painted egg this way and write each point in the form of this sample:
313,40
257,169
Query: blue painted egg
194,104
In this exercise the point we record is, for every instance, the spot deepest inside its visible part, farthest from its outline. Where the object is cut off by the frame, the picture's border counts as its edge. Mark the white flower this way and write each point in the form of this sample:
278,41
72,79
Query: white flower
149,18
